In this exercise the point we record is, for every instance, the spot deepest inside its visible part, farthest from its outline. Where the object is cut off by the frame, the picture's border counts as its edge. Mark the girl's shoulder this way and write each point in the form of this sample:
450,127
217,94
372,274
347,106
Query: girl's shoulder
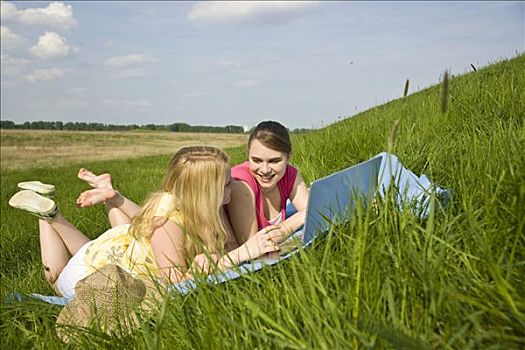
241,169
242,172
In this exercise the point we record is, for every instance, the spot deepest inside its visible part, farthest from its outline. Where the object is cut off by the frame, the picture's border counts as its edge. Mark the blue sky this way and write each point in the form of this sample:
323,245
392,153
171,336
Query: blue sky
304,64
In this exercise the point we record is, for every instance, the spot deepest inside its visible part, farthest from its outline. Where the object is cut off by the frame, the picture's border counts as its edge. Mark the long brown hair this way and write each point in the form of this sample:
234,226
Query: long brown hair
272,135
195,180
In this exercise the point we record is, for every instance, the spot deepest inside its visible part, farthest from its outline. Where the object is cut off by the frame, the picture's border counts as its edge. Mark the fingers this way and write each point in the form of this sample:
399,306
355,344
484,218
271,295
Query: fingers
275,235
200,264
262,243
270,245
270,228
289,245
271,248
204,263
263,231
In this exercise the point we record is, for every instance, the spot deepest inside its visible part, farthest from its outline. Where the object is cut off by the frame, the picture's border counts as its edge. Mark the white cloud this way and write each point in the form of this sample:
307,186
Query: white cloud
12,66
9,38
241,84
125,103
72,103
8,60
130,73
128,66
76,90
45,74
50,45
8,11
248,11
126,61
228,64
197,94
56,14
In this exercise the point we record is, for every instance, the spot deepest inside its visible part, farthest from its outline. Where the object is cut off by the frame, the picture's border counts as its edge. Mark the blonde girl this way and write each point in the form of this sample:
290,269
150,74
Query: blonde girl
179,229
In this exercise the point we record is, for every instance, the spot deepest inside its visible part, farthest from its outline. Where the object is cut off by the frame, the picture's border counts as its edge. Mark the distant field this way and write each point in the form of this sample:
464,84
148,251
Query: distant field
22,149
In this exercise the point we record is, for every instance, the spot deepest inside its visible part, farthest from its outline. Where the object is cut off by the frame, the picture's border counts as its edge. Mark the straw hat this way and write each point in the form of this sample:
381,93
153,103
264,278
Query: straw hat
108,299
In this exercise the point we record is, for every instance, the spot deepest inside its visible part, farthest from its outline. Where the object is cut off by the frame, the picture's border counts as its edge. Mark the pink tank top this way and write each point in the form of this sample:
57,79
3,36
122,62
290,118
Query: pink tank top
285,185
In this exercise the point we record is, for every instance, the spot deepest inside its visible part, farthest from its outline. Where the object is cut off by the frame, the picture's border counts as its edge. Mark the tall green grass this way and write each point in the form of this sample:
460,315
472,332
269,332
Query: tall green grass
385,279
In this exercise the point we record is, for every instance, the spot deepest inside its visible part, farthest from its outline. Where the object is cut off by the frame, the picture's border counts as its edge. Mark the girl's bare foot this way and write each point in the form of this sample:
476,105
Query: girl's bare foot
100,181
95,196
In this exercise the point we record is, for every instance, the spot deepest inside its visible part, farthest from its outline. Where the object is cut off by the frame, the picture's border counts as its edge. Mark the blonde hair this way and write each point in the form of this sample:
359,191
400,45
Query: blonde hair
195,179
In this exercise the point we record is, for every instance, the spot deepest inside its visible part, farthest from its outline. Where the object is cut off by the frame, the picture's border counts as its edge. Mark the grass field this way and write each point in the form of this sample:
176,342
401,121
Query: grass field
385,280
54,148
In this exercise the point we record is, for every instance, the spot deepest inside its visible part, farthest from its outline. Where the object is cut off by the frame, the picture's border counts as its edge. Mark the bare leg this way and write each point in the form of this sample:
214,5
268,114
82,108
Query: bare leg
116,216
72,237
53,251
58,239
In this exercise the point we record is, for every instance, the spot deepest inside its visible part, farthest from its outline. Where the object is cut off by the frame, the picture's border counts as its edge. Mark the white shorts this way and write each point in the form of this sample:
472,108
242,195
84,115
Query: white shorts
74,271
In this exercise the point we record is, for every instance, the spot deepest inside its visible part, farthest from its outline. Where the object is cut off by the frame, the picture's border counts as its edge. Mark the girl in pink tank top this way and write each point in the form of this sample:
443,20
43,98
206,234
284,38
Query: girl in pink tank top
264,183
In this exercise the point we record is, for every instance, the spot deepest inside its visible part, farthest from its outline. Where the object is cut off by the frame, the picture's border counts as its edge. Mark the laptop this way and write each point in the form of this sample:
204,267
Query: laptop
333,198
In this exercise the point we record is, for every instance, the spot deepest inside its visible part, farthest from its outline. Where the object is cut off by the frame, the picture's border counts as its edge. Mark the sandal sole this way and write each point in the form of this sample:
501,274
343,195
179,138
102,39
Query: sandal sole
37,186
33,203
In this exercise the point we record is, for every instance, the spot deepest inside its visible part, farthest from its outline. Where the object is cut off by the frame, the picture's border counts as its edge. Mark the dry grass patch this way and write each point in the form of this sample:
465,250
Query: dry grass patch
23,149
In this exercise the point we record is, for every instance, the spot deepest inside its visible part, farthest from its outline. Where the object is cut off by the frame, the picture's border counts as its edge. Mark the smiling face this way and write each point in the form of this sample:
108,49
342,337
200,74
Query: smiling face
267,165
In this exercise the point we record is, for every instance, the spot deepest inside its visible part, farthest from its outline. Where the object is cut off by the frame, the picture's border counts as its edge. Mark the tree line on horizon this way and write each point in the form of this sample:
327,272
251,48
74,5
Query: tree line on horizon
175,127
83,126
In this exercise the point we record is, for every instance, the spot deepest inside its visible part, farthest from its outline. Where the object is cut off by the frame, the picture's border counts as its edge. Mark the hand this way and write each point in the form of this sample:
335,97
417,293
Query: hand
264,241
204,263
282,230
290,244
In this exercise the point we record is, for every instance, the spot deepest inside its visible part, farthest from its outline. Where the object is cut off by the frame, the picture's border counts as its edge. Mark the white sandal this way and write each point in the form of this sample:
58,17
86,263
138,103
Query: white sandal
38,187
34,203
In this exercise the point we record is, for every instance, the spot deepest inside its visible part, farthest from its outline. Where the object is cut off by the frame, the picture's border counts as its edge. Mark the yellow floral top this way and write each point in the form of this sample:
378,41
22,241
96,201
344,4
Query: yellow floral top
116,246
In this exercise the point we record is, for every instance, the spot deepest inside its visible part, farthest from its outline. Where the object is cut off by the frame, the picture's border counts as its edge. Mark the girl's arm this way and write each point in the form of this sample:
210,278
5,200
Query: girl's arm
264,241
167,244
241,211
299,199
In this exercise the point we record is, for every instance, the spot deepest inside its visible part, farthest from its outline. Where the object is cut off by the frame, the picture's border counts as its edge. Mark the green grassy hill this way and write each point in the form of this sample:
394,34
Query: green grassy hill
384,280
